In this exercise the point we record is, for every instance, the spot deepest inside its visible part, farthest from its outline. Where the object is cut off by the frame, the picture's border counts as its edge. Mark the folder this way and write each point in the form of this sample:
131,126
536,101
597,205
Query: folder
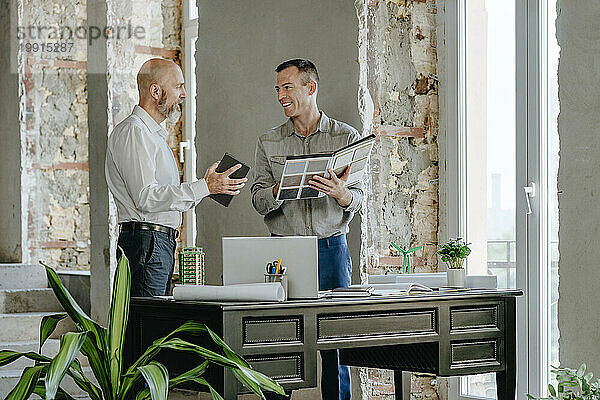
227,162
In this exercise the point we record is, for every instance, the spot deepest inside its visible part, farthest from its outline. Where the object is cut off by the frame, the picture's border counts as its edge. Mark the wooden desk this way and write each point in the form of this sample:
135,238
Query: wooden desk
448,334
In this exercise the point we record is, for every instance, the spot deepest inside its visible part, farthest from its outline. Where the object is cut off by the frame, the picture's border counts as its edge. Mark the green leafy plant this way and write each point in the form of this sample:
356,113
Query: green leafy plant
573,385
454,252
103,347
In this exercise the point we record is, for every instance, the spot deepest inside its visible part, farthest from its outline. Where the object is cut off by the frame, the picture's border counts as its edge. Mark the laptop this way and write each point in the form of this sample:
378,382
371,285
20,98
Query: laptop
245,259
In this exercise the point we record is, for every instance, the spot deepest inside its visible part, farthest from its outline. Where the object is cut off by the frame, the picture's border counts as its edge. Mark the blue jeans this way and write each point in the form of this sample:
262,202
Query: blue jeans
335,270
151,256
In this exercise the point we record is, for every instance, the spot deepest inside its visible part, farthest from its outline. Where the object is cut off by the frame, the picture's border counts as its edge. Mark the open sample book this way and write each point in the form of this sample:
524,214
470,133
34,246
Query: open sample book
299,170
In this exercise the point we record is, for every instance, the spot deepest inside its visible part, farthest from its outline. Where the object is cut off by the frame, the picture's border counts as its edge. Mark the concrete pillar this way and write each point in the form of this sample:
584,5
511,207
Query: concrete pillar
578,182
102,253
10,151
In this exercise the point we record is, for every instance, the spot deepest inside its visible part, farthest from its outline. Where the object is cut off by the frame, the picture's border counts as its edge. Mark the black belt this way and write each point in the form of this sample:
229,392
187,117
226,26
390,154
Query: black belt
147,226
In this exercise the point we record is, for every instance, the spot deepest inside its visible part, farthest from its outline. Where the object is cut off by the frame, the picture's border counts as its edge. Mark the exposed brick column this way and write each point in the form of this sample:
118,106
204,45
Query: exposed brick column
398,99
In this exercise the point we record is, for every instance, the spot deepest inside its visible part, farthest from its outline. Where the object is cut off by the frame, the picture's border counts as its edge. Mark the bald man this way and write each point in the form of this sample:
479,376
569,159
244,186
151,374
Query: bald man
143,178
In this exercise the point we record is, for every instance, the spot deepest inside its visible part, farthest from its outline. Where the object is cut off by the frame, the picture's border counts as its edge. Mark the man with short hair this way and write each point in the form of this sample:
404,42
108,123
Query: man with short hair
142,175
309,131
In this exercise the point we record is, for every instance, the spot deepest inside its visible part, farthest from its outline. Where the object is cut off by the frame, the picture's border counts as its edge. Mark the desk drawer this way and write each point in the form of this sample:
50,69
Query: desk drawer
344,326
470,318
474,353
272,330
288,367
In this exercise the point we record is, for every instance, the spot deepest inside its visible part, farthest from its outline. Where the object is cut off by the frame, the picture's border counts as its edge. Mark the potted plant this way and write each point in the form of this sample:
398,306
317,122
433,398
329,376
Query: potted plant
572,385
454,253
104,349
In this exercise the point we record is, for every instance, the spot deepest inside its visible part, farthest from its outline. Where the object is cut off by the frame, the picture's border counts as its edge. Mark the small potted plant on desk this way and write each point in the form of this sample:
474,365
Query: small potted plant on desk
454,253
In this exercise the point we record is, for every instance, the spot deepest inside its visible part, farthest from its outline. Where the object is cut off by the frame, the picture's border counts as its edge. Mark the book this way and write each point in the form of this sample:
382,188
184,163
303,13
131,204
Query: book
227,162
299,170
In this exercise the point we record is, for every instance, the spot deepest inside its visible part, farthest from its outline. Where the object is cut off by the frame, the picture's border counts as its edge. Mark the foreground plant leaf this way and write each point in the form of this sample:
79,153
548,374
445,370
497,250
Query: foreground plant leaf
94,347
40,390
157,378
48,325
26,384
70,344
117,323
8,356
104,350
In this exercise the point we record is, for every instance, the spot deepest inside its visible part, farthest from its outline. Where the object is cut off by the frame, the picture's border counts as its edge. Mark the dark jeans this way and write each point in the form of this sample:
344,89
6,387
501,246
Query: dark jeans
151,261
335,270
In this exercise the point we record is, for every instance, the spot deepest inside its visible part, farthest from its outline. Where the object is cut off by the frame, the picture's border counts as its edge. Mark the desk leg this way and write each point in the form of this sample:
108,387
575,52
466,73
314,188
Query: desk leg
398,392
229,385
506,382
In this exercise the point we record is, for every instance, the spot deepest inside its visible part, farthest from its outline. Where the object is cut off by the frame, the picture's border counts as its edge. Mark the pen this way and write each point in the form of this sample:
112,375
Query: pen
278,265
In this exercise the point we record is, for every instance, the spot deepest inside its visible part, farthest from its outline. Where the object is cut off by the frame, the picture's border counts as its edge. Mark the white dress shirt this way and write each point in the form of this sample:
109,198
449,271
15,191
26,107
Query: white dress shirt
142,174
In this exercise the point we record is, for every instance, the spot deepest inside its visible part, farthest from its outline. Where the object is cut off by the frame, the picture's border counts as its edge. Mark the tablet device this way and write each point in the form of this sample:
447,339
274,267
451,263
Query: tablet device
227,162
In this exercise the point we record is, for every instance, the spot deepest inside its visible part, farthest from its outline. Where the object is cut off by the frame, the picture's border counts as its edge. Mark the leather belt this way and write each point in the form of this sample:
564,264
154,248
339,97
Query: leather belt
147,226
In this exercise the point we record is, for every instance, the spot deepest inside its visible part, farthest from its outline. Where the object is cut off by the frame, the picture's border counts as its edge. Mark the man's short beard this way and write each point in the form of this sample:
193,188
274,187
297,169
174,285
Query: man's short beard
172,113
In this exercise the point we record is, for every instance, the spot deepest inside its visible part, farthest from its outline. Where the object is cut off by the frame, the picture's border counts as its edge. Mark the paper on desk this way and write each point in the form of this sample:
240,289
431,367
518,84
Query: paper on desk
433,279
272,291
386,289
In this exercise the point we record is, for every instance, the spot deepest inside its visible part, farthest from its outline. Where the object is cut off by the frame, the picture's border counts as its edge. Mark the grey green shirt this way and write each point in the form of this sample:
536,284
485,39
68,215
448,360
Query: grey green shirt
322,217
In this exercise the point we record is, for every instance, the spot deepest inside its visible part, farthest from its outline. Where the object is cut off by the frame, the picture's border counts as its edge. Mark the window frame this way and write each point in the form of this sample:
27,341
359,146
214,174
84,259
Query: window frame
531,230
190,34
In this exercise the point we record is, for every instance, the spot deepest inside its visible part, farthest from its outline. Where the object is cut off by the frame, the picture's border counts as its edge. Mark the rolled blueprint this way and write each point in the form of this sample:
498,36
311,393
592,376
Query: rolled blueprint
272,291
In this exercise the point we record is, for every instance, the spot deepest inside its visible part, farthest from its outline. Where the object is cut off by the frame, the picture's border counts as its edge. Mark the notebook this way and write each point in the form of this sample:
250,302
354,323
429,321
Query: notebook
299,170
227,162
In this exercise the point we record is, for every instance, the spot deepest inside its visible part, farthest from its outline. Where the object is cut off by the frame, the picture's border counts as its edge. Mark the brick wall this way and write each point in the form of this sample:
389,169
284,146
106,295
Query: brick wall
54,135
399,102
53,98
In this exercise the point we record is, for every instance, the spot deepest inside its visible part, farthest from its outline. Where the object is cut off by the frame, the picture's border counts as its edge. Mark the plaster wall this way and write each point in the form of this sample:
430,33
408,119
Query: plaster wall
578,182
10,156
238,49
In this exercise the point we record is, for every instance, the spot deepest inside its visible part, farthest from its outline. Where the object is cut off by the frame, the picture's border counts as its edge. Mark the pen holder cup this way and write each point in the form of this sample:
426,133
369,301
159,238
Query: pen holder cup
283,278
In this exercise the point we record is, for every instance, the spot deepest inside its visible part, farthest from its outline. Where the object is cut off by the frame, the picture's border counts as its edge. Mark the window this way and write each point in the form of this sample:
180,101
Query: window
505,57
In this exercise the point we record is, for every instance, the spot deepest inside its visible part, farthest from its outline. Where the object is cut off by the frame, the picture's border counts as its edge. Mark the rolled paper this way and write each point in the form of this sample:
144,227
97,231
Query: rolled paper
271,291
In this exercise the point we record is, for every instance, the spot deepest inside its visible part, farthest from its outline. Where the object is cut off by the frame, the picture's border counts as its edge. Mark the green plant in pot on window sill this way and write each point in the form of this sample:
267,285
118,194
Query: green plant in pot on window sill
104,349
454,253
572,385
